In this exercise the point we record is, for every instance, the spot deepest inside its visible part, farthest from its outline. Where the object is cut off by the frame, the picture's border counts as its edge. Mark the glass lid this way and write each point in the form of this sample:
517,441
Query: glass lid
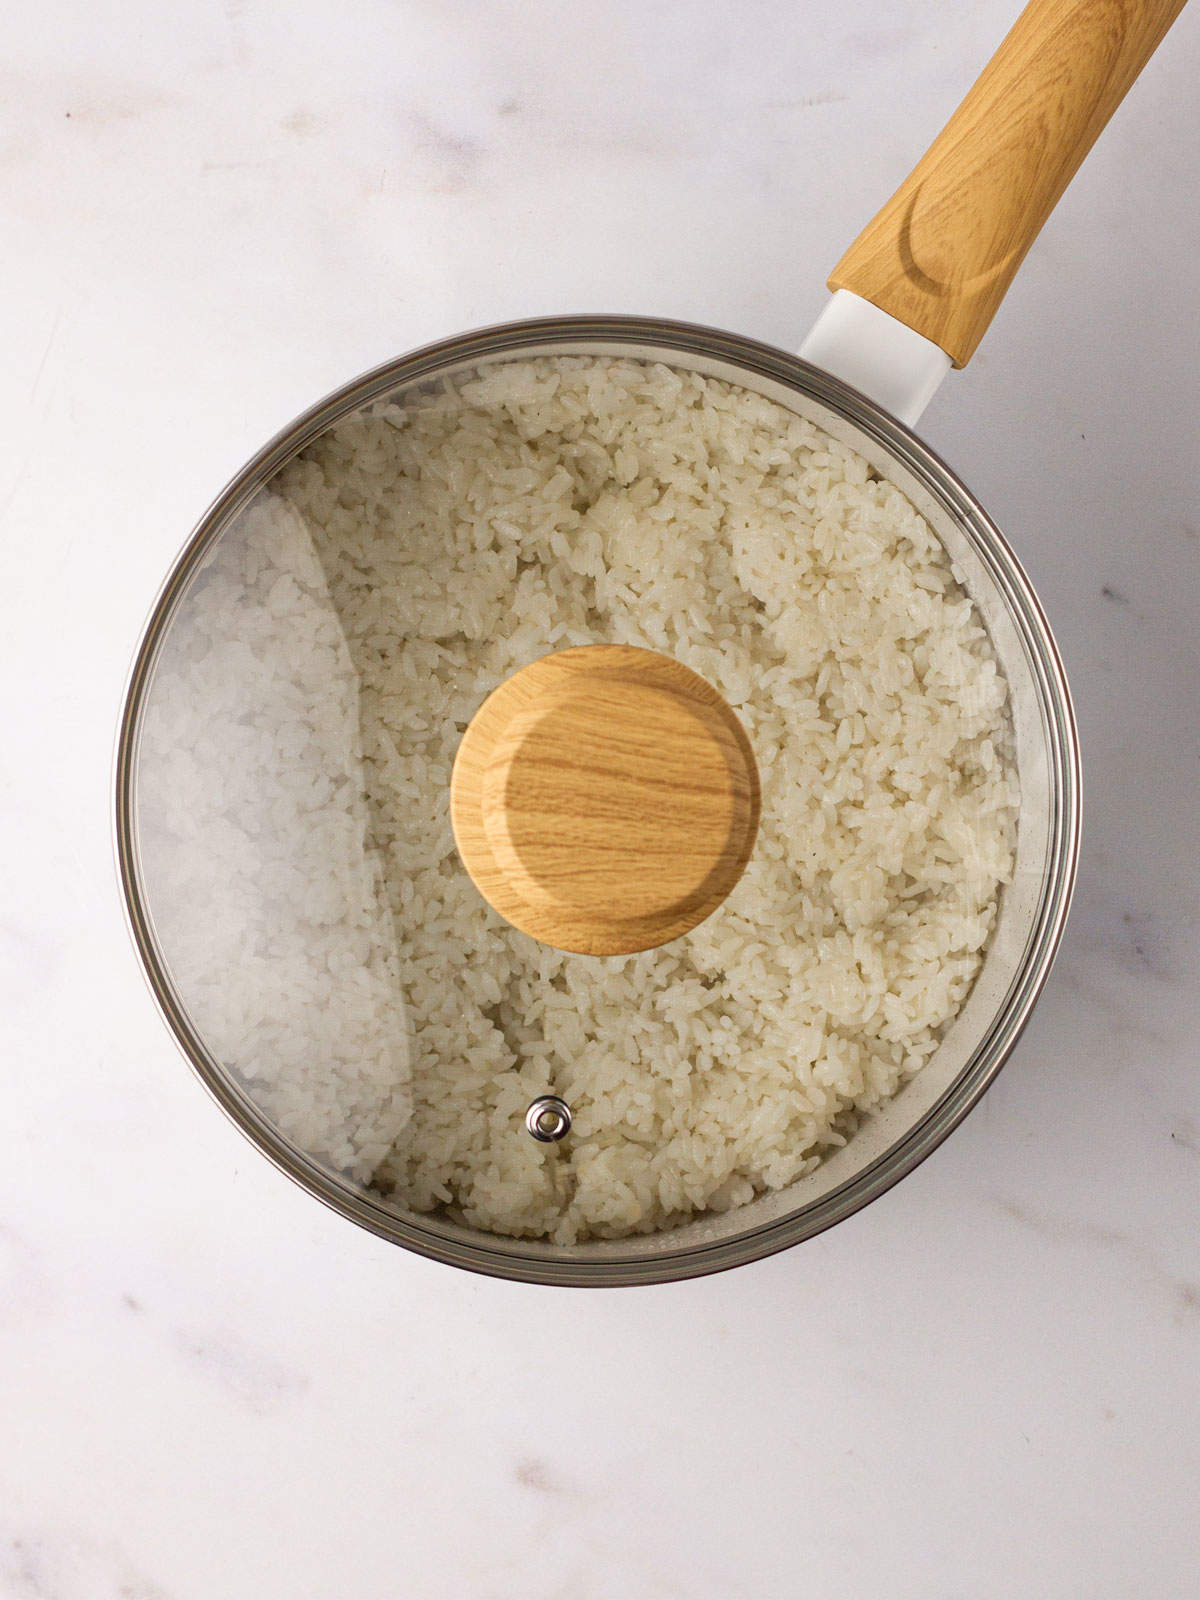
288,846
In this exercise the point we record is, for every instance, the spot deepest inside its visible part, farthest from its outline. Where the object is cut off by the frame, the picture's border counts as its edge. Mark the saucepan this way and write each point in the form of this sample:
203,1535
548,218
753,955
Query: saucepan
259,997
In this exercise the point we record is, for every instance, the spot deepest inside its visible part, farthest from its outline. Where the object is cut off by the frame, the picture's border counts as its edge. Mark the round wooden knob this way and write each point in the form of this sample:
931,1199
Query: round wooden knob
605,799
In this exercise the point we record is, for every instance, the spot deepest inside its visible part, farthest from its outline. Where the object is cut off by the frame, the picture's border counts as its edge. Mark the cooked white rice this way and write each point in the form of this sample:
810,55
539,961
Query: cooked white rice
296,765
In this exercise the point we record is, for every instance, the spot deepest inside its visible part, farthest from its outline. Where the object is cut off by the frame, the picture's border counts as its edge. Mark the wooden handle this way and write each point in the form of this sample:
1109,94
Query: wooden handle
942,252
604,799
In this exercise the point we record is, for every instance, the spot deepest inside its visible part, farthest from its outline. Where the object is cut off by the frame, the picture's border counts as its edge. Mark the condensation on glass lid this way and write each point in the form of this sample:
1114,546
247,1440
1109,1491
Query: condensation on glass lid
257,849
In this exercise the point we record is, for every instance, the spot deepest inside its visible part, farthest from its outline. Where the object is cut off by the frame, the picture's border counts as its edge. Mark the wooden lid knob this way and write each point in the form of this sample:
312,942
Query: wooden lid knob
605,799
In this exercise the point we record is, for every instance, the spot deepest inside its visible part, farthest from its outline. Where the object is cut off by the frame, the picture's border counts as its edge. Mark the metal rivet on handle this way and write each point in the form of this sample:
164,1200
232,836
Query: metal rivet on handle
548,1118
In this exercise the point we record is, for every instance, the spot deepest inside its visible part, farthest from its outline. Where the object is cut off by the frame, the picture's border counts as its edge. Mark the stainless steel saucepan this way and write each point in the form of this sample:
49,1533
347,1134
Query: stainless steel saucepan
912,298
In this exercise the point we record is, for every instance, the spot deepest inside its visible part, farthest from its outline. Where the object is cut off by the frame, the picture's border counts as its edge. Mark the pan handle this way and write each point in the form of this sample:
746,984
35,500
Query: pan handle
943,251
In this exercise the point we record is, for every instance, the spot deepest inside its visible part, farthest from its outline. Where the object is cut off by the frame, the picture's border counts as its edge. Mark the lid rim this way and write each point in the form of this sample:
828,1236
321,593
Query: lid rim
508,1259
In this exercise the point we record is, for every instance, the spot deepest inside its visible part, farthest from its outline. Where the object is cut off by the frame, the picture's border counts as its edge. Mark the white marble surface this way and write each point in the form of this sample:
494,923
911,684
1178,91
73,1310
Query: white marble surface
986,1385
